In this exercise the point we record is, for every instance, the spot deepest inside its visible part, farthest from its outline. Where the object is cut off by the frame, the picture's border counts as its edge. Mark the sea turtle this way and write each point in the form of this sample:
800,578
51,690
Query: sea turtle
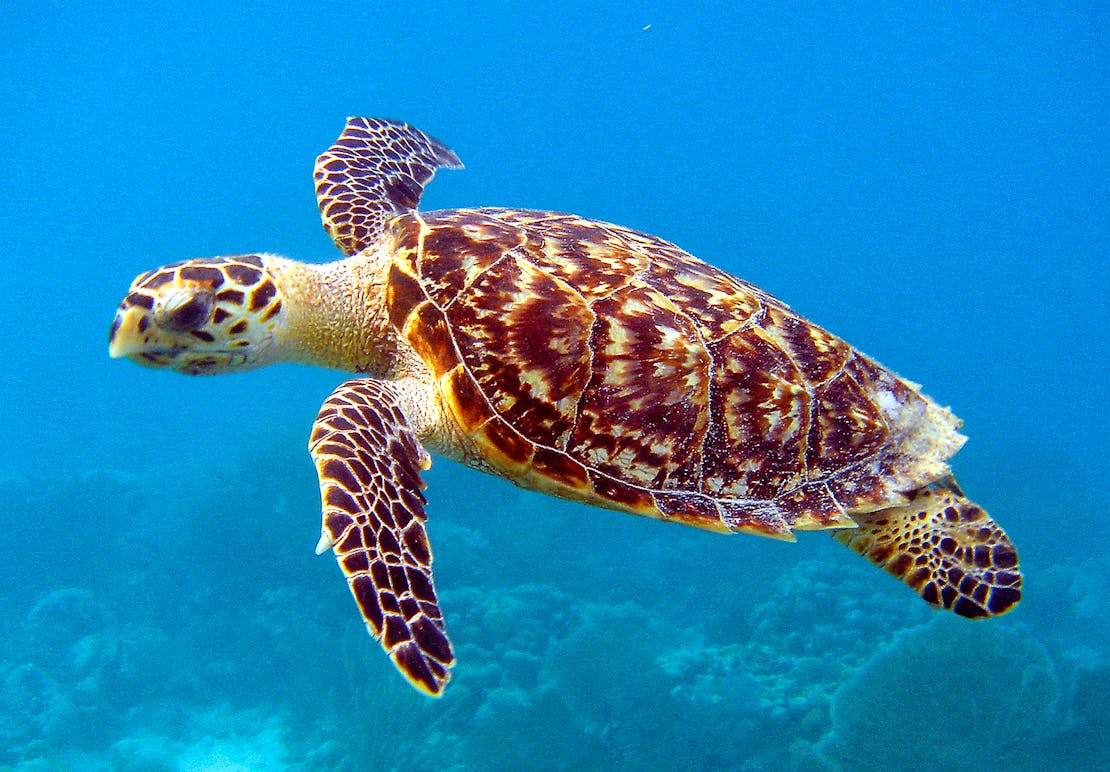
569,356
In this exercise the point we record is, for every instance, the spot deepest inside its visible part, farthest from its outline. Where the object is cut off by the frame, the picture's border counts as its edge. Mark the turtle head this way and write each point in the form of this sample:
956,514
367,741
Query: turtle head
204,316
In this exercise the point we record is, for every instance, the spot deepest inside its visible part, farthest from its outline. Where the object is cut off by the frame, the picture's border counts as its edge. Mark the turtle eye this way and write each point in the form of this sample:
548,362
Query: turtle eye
188,312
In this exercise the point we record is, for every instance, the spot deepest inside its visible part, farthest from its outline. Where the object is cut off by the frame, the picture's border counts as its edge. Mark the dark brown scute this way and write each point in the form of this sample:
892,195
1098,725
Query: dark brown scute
416,545
340,499
262,296
560,467
846,427
213,277
1002,599
813,501
232,296
431,639
697,288
471,407
243,275
403,294
629,496
690,508
643,411
759,416
508,441
483,240
420,584
817,354
272,312
1004,556
525,344
366,595
433,340
412,663
140,299
339,472
158,279
355,562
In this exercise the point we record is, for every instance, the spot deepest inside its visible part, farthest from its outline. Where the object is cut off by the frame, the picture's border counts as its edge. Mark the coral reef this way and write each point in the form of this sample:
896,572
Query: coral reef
679,650
948,694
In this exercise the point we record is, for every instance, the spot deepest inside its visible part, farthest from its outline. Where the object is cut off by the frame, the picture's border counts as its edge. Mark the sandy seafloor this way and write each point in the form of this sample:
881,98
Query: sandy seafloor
929,182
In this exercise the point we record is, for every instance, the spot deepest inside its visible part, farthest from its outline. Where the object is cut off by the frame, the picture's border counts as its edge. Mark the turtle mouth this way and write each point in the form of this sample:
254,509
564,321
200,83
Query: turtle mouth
192,363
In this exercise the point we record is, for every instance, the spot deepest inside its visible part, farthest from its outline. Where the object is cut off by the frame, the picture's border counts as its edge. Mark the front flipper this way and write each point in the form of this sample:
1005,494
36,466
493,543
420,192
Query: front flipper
369,462
945,547
376,170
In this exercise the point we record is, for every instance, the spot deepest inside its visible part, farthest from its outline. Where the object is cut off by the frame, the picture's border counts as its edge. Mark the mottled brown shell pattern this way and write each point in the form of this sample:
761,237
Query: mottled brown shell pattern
600,364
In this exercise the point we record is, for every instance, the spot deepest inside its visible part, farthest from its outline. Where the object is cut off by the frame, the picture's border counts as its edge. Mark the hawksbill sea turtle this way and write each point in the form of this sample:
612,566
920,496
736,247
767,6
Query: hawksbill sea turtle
572,357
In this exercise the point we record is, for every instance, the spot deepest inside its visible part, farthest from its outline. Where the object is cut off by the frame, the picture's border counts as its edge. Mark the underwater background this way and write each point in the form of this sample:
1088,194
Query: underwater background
929,181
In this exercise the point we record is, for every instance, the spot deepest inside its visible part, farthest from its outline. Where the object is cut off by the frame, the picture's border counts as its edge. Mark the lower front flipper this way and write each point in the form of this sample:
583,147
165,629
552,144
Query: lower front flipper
369,462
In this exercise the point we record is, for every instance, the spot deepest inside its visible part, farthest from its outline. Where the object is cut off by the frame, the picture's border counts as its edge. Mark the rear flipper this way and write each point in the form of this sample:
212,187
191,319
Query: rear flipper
945,547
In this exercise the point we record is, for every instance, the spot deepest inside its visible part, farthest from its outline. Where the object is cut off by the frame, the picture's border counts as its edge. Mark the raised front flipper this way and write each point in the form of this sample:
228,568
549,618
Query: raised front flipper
369,462
946,548
376,170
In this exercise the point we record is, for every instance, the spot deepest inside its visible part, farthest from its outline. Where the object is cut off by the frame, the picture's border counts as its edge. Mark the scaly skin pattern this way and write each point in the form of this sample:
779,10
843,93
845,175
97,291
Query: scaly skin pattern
945,547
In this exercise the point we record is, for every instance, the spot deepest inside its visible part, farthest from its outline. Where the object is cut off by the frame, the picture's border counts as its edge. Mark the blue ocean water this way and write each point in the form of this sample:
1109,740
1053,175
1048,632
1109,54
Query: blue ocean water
930,182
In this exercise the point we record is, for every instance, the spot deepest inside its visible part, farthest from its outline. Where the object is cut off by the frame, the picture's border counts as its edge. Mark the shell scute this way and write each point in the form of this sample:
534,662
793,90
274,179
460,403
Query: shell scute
813,505
429,334
817,354
694,509
643,413
472,248
403,293
515,449
754,516
719,303
467,402
847,427
593,259
760,408
561,468
629,497
534,324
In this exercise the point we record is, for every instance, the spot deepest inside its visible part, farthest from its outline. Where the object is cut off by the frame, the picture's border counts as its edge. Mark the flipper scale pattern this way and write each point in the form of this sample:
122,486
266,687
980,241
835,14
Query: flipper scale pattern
369,463
945,547
376,170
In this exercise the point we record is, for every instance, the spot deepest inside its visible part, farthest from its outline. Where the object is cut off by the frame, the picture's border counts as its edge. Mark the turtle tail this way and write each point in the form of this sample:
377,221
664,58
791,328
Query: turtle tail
945,547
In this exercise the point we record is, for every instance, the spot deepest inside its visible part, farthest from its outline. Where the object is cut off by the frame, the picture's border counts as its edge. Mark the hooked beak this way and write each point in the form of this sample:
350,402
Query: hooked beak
125,338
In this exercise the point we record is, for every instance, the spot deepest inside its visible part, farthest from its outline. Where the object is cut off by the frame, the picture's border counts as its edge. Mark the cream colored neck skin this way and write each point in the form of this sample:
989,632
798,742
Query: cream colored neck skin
335,314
